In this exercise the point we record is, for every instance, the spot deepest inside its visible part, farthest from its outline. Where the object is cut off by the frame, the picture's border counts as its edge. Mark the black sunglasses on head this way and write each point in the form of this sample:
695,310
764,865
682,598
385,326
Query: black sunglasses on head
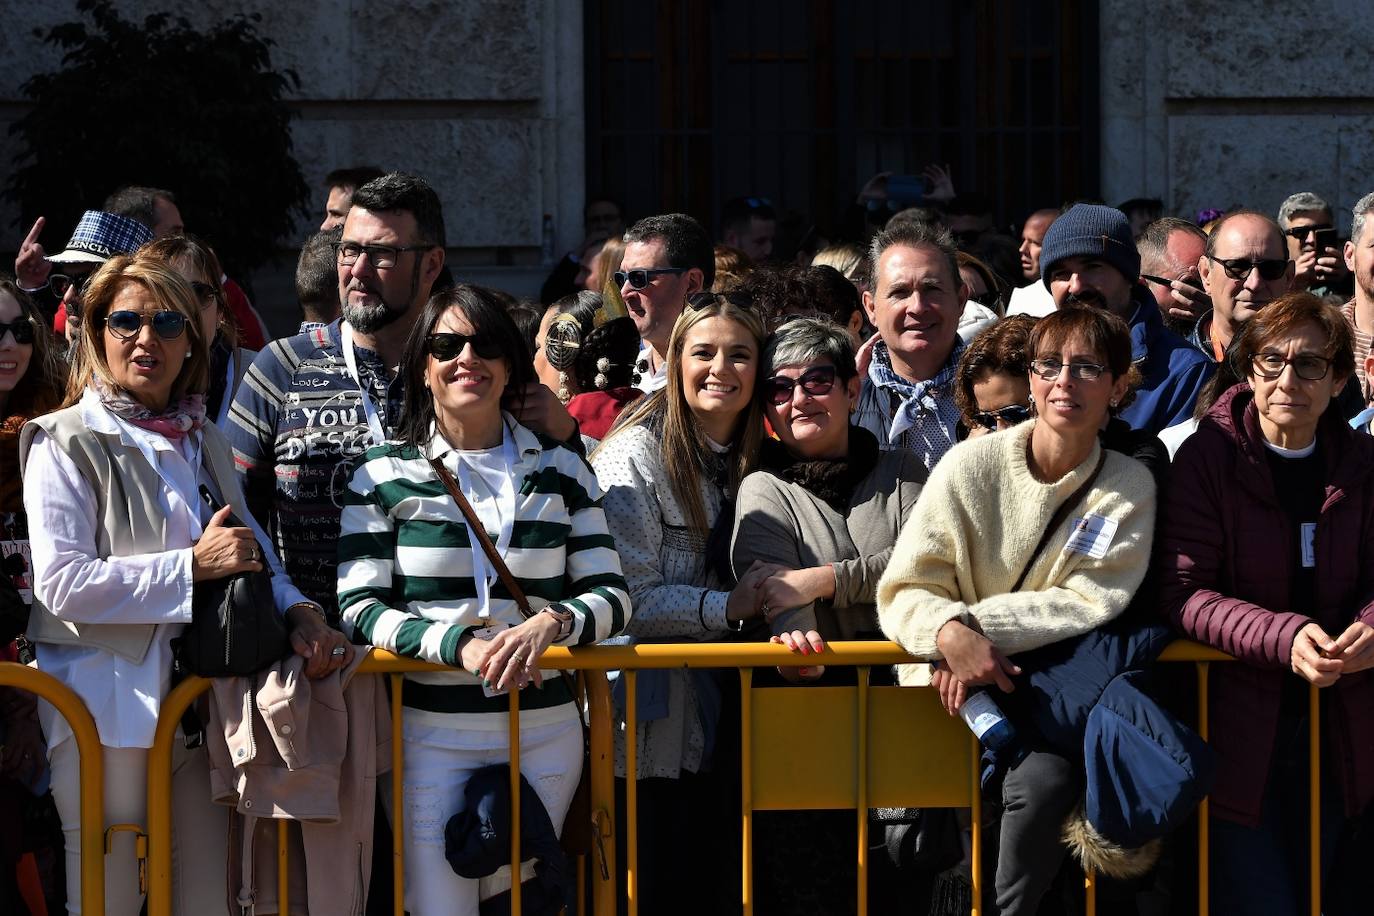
1239,268
443,345
22,329
816,382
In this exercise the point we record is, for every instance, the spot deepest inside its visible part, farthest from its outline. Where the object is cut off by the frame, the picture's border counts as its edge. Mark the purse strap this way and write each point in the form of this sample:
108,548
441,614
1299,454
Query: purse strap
479,531
1061,515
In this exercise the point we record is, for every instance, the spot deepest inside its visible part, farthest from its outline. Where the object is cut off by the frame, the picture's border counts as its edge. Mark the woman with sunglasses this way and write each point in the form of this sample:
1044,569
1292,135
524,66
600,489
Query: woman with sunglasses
197,264
992,380
970,586
120,537
413,579
1267,553
31,379
826,504
671,468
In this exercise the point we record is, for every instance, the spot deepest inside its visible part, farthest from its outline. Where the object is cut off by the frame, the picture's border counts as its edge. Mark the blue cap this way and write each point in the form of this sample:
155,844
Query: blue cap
1091,231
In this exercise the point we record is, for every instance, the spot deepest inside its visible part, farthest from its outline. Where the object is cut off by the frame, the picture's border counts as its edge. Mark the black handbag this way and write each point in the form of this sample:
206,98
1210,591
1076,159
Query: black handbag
235,630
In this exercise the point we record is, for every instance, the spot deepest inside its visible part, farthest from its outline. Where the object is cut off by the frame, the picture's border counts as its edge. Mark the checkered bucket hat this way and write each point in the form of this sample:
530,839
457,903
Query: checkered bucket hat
100,236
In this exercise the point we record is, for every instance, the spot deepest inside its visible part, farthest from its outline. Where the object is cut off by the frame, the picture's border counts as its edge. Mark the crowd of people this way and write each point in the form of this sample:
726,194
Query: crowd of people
1030,474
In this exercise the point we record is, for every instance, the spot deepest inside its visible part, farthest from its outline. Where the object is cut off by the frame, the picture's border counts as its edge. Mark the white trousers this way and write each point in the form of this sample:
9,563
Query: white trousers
438,762
199,828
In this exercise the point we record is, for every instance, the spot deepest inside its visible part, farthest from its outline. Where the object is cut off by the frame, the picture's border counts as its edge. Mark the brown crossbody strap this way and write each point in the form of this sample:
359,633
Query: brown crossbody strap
1061,515
477,530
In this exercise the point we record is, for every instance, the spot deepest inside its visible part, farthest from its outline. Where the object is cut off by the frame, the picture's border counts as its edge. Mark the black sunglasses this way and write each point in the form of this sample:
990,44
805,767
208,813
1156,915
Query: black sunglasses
1186,281
206,293
740,297
1010,415
642,276
60,283
166,324
443,345
1302,232
1239,268
21,329
815,382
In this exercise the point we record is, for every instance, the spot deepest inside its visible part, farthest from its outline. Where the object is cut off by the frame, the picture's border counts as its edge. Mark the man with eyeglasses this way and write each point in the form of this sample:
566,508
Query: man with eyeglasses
1090,259
1310,233
1244,267
1170,249
749,224
311,404
55,281
667,258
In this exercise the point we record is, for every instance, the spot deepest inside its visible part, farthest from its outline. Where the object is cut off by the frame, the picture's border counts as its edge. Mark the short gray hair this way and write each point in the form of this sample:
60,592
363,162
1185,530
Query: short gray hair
805,340
912,234
1363,207
1300,202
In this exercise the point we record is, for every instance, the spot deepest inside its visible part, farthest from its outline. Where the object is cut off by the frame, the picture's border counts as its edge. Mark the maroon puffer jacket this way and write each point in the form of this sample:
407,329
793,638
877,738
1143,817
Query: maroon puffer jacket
1226,556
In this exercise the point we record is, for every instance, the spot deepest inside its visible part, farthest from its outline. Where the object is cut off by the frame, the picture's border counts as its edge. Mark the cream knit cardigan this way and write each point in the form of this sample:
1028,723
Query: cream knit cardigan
977,521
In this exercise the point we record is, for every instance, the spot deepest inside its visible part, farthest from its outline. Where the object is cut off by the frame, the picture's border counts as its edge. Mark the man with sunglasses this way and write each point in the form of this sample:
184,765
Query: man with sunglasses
1244,267
1310,233
1090,259
55,281
1170,249
667,258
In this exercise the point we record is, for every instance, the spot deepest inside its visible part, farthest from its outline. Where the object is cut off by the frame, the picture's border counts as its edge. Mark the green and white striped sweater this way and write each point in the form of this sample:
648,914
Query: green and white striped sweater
406,574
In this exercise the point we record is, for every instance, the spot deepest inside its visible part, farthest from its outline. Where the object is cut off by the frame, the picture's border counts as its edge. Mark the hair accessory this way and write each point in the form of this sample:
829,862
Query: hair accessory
601,381
564,395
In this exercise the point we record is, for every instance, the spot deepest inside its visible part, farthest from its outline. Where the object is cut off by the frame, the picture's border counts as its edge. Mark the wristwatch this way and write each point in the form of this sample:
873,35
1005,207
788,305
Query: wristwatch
564,618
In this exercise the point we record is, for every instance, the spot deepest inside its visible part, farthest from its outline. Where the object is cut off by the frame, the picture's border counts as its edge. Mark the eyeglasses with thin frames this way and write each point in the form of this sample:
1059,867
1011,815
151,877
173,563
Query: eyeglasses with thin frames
382,257
1049,369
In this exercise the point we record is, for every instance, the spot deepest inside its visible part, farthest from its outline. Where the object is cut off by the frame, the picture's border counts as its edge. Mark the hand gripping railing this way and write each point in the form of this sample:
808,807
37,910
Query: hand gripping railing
846,768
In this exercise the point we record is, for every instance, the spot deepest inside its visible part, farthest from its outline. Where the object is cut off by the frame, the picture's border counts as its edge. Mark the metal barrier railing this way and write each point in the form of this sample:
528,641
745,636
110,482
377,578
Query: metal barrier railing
876,774
69,705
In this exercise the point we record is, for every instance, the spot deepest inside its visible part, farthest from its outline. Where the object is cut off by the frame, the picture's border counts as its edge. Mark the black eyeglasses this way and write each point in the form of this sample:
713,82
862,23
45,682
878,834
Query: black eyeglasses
60,283
381,257
443,345
1239,268
815,382
167,324
643,276
1009,415
206,293
1049,369
21,329
1308,366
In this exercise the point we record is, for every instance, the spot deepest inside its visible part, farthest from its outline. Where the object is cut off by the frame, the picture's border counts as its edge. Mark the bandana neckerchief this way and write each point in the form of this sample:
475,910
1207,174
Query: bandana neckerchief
927,407
174,422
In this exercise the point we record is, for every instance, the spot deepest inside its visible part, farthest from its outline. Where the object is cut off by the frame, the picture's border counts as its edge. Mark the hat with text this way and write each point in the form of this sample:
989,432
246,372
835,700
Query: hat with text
100,236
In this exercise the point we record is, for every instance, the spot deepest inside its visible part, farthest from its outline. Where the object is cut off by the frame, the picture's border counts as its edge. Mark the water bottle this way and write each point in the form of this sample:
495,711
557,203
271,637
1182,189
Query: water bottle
990,726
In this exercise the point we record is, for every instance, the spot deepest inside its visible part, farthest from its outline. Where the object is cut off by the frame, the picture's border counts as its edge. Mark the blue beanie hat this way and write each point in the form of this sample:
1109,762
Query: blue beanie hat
1091,231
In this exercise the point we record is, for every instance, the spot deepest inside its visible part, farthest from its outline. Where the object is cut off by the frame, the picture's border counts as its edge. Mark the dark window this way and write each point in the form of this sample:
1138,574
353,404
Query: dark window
691,103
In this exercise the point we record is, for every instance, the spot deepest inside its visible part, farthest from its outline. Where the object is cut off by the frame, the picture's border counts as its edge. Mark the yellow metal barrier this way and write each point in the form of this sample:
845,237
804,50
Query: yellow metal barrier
69,705
849,767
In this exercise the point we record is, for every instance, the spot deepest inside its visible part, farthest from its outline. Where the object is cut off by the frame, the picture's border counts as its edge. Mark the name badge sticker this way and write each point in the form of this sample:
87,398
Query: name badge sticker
1307,535
1092,536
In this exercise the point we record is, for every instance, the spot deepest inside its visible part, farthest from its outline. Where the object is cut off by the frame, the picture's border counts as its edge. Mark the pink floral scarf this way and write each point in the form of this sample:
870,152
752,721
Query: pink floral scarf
174,422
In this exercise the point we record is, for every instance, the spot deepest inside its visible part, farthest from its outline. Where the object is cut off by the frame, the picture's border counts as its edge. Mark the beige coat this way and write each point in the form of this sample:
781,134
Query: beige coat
283,746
